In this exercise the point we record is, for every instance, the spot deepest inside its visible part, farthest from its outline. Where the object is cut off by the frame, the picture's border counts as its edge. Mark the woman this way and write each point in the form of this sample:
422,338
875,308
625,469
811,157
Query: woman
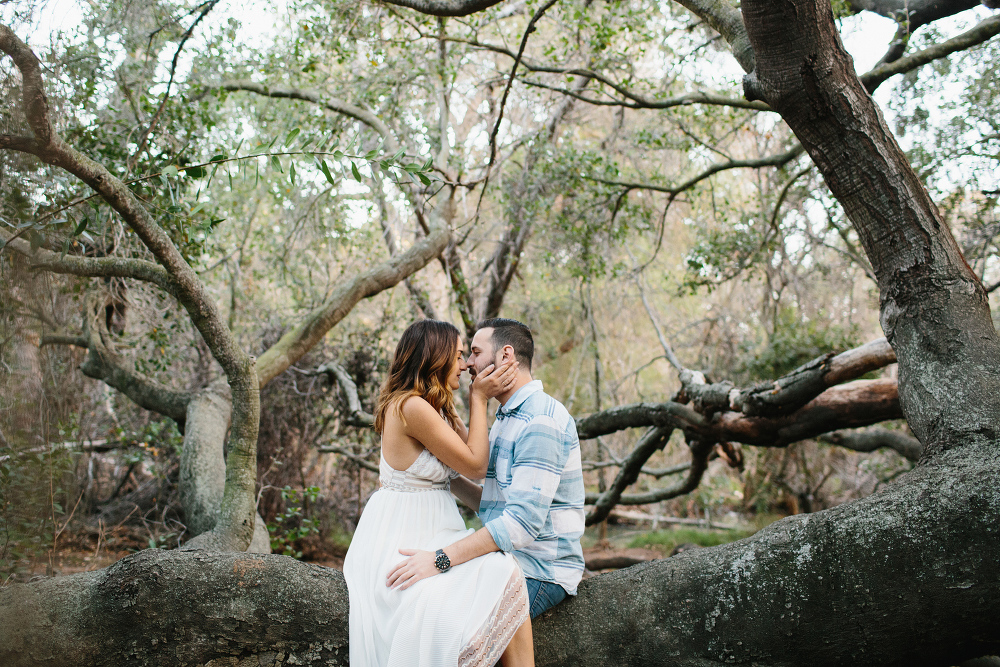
468,614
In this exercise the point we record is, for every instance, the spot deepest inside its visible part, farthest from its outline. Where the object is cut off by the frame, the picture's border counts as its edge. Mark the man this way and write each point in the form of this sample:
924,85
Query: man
531,503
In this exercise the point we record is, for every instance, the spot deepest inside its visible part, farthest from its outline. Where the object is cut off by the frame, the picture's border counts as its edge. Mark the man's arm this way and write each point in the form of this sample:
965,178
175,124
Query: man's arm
535,473
420,564
467,491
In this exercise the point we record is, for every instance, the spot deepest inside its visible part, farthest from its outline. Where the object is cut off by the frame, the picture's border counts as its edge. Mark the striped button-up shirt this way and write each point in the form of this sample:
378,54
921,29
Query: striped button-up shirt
533,495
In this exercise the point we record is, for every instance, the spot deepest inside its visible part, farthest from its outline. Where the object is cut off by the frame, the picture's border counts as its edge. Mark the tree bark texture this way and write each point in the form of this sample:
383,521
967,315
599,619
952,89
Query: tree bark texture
889,580
934,310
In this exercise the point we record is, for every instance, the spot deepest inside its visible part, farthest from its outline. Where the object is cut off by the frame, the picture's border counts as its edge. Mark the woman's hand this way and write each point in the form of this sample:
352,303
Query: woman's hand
493,381
419,565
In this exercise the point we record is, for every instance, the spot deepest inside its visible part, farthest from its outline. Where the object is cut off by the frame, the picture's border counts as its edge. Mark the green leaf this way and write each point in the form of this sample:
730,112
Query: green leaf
326,172
423,178
169,170
291,137
370,155
291,173
196,172
219,158
357,174
276,163
82,226
413,167
338,154
398,154
197,208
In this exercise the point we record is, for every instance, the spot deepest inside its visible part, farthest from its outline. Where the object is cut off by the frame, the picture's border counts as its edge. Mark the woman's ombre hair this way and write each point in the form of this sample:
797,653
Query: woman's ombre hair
420,367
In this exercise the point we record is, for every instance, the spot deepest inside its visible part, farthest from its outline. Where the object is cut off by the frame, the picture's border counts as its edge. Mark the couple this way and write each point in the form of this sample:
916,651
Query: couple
424,589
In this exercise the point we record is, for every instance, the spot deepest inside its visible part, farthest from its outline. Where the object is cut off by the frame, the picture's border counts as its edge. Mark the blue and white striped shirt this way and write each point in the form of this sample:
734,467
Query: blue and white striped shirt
533,495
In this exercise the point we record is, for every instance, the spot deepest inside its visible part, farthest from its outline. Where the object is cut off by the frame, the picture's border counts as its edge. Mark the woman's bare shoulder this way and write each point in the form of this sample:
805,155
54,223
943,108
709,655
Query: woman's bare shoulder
416,407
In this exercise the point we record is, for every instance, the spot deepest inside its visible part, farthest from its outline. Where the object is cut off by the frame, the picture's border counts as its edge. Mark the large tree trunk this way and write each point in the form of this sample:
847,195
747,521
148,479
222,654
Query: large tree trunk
203,466
894,579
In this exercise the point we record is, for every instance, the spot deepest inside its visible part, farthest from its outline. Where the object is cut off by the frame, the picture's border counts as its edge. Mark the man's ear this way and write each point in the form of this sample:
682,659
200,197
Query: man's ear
507,354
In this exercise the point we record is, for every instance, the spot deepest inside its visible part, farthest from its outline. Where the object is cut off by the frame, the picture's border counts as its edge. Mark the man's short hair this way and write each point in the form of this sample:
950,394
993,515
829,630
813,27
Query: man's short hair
513,333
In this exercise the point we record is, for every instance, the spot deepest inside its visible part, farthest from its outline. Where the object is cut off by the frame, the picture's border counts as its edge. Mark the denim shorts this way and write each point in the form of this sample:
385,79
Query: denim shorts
543,595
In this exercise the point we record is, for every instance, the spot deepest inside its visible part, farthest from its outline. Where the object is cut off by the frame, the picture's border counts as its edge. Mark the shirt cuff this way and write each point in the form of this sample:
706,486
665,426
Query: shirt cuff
500,535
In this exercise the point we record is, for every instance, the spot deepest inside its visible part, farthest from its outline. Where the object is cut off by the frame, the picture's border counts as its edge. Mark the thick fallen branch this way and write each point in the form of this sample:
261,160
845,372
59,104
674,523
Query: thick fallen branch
790,392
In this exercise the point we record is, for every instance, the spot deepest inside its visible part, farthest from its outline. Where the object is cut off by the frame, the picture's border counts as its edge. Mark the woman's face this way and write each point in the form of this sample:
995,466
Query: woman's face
458,366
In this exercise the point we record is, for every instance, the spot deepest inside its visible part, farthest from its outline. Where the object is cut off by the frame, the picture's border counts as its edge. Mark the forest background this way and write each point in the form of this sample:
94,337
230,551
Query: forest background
617,194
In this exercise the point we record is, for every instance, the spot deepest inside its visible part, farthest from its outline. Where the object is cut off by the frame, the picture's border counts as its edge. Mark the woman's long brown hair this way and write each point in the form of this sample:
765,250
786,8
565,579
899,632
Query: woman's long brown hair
420,367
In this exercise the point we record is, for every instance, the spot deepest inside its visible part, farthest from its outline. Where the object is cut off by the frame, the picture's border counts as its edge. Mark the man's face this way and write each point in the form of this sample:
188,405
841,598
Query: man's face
481,352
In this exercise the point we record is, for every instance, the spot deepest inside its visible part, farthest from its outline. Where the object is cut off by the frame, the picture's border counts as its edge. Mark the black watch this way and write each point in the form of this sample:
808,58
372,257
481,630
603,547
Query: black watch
441,560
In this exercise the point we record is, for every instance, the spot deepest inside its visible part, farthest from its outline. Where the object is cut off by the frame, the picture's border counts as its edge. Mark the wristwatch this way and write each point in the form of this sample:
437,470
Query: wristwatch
441,560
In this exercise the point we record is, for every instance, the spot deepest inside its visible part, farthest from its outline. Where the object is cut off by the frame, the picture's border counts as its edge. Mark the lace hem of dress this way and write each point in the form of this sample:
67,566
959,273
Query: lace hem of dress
491,641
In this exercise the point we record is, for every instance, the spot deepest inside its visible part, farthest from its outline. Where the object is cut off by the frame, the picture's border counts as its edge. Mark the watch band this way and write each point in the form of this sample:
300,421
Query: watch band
441,560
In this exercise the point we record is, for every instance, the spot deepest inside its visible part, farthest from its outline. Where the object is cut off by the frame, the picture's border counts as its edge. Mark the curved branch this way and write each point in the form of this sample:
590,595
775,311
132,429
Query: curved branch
778,160
93,267
103,364
871,439
653,441
330,103
303,337
642,102
356,415
982,32
445,7
789,392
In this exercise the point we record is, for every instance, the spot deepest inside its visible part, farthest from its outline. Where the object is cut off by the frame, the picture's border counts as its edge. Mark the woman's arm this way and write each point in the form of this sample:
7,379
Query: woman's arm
425,425
468,492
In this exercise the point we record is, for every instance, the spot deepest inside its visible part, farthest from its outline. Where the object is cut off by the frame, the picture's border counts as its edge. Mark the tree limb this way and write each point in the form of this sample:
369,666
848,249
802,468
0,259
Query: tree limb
356,415
95,267
778,160
871,439
330,103
982,32
445,7
313,327
103,364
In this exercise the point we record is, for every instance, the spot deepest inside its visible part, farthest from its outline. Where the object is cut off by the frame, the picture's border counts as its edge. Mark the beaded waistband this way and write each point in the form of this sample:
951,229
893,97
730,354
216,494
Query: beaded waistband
406,488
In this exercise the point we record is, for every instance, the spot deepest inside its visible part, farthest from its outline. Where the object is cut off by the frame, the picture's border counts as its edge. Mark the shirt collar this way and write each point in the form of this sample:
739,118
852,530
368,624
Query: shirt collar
519,397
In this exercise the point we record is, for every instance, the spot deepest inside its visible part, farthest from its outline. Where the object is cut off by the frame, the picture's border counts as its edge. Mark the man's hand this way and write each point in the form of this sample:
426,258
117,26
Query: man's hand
419,565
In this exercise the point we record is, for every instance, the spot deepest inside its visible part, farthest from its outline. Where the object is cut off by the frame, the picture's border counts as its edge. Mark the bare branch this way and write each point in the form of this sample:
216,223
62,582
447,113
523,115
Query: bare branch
771,161
95,267
64,339
445,7
871,439
983,31
360,460
330,103
303,337
726,20
103,364
654,440
356,415
789,392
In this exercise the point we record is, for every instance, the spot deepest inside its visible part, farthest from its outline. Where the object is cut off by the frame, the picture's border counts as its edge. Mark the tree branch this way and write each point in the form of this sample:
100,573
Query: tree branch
445,7
330,103
303,337
94,267
789,392
104,365
356,415
982,32
871,439
778,160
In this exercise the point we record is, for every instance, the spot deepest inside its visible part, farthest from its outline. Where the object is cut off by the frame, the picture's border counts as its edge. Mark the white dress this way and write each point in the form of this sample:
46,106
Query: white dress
463,617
